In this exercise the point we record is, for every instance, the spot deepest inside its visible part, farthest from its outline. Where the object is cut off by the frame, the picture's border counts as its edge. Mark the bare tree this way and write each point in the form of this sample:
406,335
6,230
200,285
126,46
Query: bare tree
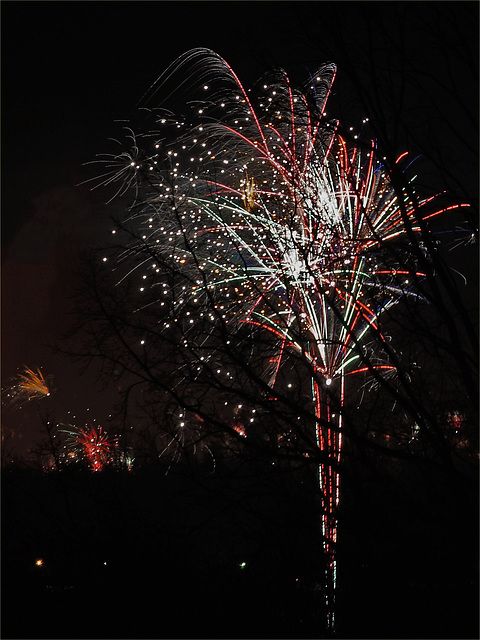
272,288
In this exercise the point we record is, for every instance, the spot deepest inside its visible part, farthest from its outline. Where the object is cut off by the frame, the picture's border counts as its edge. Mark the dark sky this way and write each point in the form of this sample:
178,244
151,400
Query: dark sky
70,69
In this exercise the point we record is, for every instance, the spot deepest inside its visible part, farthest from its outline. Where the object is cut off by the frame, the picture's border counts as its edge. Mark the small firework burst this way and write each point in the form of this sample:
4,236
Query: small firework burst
92,444
29,385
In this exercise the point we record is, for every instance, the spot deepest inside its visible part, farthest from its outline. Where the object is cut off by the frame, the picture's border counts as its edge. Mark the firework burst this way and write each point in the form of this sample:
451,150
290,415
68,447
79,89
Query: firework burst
29,385
91,443
281,222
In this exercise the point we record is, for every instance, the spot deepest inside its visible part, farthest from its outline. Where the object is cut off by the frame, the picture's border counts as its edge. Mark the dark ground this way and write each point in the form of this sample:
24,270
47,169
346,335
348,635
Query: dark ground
149,555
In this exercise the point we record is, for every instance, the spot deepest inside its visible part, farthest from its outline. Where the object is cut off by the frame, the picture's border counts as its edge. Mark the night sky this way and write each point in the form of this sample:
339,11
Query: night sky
71,69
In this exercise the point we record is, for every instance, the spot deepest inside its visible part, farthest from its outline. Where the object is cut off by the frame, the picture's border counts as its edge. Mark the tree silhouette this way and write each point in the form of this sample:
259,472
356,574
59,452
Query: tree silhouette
243,292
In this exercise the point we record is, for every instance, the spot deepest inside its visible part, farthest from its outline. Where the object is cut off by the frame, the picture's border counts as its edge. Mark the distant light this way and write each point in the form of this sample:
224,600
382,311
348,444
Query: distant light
328,382
39,562
242,565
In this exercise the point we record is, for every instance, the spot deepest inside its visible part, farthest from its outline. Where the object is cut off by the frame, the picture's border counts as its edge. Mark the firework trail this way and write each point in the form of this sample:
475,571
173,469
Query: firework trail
265,203
184,433
29,385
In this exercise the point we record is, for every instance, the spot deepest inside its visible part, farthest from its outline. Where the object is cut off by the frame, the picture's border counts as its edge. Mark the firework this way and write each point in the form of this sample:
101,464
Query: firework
29,385
91,443
287,224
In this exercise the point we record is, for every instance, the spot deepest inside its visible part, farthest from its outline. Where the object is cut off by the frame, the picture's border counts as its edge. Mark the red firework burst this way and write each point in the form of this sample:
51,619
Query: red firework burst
93,444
